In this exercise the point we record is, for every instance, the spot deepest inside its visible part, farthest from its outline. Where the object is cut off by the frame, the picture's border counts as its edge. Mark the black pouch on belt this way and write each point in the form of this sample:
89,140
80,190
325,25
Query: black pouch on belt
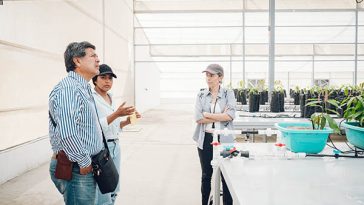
63,167
105,172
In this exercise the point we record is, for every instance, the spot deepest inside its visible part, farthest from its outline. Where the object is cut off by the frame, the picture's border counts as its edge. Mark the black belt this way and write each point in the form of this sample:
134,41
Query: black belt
112,140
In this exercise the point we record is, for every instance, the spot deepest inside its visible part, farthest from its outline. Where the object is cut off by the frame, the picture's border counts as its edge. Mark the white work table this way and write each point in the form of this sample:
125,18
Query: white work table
287,107
252,121
262,123
308,181
246,120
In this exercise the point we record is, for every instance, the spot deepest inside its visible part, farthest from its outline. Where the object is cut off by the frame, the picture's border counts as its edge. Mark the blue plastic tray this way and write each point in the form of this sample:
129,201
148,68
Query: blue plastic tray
354,133
307,141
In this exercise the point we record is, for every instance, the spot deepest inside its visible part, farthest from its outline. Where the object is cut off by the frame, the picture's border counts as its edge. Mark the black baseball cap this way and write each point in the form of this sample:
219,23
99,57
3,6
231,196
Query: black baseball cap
105,69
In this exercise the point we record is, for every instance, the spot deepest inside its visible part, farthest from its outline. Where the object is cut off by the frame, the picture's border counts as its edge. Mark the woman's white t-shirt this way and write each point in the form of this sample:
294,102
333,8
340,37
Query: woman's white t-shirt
217,109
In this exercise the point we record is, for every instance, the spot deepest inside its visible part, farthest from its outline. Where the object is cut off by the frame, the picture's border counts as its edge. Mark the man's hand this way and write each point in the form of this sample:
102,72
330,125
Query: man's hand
124,111
86,170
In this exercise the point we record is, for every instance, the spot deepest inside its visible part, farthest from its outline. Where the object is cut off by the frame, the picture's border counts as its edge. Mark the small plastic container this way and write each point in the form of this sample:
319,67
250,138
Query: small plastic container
303,140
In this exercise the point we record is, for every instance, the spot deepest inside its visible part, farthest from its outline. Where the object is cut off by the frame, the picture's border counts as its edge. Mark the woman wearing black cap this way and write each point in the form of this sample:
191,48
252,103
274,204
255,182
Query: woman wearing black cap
110,121
214,109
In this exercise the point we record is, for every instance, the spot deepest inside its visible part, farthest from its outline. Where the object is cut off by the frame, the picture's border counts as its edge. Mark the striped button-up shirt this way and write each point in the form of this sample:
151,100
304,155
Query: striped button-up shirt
77,130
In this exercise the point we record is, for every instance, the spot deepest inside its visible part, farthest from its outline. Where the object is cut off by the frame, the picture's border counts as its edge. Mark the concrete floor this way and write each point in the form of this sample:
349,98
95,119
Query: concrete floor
160,165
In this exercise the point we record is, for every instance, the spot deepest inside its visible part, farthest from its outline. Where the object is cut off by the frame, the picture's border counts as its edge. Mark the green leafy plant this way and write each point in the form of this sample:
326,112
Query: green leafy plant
241,87
261,85
315,90
278,85
355,109
241,84
348,89
253,90
358,89
320,119
296,89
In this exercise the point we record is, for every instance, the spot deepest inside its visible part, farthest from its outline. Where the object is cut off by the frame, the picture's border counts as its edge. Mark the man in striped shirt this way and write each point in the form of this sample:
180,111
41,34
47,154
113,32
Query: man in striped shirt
76,131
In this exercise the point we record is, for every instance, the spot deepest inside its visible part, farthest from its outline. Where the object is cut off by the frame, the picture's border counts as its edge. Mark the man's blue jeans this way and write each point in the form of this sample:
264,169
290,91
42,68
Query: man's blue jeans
109,198
80,190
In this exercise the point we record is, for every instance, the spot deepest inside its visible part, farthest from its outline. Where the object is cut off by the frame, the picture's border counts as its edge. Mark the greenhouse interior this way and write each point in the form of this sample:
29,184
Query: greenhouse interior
231,102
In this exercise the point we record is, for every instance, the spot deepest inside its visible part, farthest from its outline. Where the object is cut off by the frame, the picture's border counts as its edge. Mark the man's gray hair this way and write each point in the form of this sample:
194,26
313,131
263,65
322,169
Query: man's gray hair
75,49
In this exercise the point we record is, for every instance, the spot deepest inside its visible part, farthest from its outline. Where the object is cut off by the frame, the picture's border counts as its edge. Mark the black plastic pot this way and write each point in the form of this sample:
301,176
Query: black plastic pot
296,98
309,110
302,104
281,102
236,93
266,97
274,103
262,98
291,93
257,104
254,102
242,96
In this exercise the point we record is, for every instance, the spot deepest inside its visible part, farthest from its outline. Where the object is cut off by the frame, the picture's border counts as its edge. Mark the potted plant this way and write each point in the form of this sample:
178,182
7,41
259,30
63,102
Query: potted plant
296,95
319,120
262,93
354,116
343,93
302,97
277,101
310,137
332,94
253,99
311,95
241,93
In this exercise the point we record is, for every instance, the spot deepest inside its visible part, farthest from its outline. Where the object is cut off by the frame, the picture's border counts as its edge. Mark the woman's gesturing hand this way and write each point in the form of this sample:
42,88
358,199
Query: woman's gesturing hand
124,110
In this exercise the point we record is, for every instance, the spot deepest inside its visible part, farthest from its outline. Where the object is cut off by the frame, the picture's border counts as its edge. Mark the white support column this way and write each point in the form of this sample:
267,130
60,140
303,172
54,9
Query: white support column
231,64
243,39
288,84
103,31
271,46
356,47
313,66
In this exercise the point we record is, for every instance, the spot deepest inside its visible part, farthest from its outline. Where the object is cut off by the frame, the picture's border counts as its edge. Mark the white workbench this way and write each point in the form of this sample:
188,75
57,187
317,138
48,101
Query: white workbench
246,120
262,108
262,123
251,121
308,181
